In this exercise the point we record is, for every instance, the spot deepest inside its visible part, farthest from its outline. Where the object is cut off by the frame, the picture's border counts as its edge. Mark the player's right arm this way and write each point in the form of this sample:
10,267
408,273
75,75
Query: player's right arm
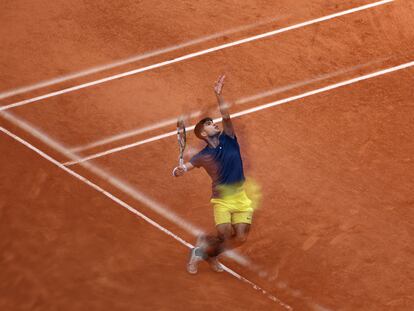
181,170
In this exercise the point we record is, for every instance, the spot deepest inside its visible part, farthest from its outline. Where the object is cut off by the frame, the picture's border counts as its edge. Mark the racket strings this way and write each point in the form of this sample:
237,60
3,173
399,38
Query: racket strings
182,138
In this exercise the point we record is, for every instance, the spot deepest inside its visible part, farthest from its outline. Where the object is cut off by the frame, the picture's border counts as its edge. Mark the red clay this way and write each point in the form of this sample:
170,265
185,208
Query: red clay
143,99
42,40
337,169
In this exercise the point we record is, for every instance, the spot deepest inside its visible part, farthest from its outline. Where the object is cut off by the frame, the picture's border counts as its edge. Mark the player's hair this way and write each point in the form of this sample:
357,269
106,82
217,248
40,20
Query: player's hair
200,127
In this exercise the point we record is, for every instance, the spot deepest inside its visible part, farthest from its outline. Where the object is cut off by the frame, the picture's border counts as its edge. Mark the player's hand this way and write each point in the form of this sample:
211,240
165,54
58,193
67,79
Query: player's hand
179,171
218,86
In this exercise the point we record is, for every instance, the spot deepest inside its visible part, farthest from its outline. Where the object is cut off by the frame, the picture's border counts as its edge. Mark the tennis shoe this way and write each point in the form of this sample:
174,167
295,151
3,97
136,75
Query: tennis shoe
215,265
195,258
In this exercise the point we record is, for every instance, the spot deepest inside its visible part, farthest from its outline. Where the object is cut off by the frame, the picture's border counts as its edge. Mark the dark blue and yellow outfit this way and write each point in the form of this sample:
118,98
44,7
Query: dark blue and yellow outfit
225,167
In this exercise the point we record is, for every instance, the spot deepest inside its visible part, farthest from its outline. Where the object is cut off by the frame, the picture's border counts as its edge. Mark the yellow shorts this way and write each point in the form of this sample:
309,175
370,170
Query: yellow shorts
234,208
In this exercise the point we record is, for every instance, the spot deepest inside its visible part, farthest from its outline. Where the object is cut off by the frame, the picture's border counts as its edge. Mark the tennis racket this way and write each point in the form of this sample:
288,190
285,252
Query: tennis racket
182,139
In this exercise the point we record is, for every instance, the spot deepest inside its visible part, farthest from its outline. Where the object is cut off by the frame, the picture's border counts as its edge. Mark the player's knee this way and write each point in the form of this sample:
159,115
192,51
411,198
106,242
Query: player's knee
241,238
212,240
225,236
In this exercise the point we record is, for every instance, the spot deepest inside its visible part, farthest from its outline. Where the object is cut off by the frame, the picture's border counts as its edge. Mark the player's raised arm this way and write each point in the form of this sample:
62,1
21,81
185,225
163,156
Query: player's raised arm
223,107
181,170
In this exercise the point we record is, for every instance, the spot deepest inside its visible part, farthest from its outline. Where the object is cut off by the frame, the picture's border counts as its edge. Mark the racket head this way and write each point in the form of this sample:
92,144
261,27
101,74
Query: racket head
181,138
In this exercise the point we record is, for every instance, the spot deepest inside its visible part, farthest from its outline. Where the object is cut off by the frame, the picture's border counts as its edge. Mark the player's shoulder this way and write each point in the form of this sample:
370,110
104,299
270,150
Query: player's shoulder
205,150
226,138
200,158
201,153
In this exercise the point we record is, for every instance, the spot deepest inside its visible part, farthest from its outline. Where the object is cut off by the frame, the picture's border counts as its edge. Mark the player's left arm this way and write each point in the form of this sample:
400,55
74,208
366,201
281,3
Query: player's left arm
224,107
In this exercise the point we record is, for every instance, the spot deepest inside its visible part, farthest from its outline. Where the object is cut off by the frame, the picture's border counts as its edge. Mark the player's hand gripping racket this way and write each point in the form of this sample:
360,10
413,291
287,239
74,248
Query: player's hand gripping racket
182,142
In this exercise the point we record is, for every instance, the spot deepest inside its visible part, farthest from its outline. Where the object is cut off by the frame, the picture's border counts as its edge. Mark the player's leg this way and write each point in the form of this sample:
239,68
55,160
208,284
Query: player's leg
227,238
217,244
209,247
241,218
241,232
225,231
232,227
197,254
222,218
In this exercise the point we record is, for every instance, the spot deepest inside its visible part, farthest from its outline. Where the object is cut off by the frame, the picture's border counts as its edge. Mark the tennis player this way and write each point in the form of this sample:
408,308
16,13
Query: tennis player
232,208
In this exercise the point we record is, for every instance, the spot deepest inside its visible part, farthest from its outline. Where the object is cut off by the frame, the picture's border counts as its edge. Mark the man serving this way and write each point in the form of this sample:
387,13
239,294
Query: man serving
222,161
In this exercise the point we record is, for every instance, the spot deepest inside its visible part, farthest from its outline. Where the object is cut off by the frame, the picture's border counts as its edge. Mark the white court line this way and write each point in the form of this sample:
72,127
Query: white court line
240,101
113,180
133,132
195,54
137,213
247,111
121,148
135,58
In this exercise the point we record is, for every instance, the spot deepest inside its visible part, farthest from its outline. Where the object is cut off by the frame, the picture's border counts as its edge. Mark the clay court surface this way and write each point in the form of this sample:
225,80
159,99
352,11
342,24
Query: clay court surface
82,166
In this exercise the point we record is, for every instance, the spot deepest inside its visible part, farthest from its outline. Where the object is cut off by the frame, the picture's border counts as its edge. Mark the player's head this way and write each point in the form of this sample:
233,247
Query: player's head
206,128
